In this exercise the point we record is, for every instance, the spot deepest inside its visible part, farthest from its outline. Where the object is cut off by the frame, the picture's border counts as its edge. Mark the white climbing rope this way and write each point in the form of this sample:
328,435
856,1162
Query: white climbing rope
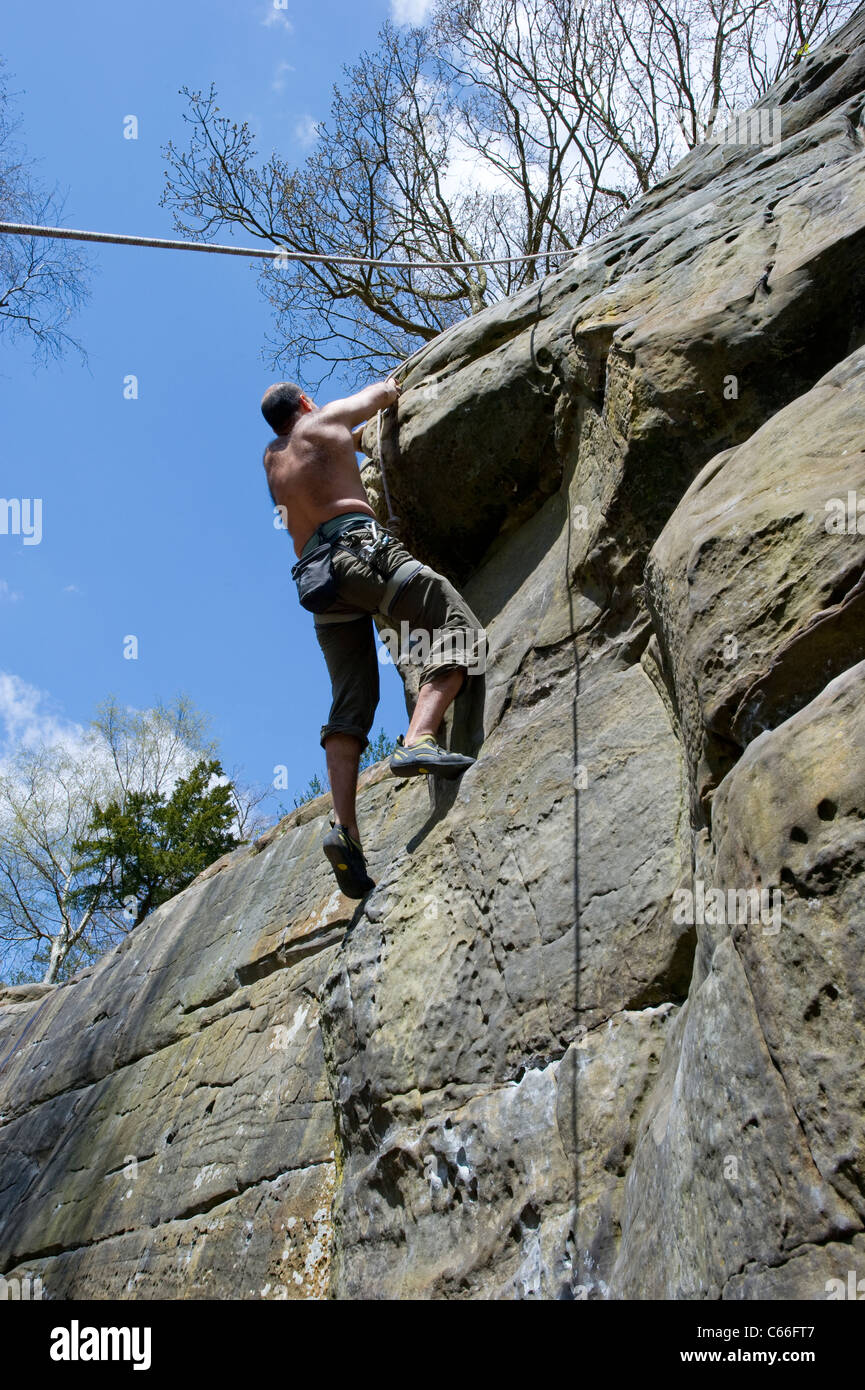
281,254
392,519
276,253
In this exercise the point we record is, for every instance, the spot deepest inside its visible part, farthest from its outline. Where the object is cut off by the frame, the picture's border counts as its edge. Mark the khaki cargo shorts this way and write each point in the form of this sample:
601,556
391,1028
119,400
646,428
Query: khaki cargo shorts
413,599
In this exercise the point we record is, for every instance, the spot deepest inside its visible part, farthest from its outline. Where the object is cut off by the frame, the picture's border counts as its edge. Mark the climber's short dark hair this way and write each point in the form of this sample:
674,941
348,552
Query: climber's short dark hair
280,404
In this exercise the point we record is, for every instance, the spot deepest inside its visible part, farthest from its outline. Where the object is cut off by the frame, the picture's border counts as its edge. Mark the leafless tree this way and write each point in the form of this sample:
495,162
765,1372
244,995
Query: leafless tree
247,797
47,797
42,283
688,63
498,128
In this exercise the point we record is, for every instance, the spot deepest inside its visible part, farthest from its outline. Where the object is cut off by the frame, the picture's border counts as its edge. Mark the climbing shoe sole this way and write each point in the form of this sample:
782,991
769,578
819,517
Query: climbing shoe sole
348,864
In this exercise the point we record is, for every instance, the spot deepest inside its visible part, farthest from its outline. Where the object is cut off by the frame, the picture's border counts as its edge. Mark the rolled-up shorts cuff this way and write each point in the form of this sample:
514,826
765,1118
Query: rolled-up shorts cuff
354,729
430,672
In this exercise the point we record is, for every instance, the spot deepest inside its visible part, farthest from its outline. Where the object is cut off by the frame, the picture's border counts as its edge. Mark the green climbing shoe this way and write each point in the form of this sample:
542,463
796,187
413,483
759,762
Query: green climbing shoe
348,864
412,759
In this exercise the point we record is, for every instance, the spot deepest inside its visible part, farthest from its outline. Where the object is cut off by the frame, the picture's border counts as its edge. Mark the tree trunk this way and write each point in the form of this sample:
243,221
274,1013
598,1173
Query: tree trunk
59,952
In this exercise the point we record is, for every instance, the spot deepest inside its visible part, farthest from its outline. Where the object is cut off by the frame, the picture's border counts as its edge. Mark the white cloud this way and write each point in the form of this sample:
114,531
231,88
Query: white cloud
410,11
29,717
275,14
7,594
279,81
467,172
306,132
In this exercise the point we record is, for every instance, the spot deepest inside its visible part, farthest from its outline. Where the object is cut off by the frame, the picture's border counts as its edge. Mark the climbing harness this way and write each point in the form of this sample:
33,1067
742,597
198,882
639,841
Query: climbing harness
317,586
375,553
313,574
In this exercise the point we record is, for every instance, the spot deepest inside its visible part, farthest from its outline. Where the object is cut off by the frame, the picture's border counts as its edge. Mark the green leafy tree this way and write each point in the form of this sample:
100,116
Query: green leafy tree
379,747
151,846
59,906
314,787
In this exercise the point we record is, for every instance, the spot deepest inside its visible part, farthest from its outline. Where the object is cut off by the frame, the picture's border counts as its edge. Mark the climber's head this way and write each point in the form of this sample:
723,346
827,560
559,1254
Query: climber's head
281,405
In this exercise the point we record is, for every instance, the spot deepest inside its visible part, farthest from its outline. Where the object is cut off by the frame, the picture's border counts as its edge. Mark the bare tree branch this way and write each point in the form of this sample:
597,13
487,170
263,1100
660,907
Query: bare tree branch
498,128
42,284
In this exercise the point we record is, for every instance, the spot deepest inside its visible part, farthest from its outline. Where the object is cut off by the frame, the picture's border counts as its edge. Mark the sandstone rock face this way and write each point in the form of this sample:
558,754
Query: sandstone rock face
598,1030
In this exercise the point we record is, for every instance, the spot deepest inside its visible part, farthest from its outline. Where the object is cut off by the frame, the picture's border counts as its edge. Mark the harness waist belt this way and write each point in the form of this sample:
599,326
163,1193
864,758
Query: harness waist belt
339,617
328,530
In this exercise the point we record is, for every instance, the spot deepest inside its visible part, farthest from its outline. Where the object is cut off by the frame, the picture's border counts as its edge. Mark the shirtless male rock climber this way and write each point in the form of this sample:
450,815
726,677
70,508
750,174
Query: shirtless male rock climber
360,569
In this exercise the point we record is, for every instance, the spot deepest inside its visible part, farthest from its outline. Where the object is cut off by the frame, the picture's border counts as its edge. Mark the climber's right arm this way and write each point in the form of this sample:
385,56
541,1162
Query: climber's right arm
353,410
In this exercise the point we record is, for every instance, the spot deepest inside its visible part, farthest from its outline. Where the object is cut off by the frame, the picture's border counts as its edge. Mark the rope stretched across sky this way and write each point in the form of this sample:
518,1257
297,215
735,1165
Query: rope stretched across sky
279,254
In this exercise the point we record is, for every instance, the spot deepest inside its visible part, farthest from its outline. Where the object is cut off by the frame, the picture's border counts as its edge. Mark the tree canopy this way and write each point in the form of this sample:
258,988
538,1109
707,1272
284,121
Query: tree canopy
145,849
497,128
98,828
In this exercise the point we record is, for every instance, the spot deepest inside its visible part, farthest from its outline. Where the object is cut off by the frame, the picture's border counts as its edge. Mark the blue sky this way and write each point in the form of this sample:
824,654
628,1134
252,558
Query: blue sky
156,520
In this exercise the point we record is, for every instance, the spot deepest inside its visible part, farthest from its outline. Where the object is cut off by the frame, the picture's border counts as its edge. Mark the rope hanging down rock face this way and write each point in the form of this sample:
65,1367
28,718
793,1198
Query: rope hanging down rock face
392,520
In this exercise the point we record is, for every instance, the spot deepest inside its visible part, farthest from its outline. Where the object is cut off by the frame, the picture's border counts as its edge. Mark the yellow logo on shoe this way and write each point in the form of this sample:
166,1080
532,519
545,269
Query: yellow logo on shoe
342,866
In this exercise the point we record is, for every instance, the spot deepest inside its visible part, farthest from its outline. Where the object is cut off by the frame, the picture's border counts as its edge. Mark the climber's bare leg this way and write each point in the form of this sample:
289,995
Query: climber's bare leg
413,757
434,698
343,758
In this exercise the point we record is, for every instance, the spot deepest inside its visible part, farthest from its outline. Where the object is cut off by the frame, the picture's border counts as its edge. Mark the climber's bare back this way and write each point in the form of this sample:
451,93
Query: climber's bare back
313,475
